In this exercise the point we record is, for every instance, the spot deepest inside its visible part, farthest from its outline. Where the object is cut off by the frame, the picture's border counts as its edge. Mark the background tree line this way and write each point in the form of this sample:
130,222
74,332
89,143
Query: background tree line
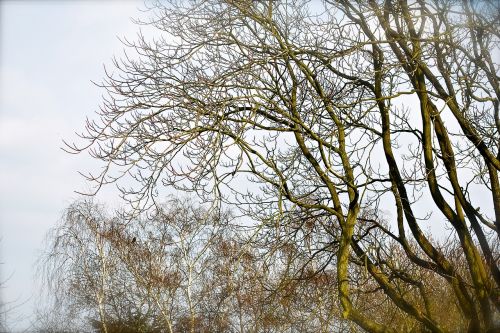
183,269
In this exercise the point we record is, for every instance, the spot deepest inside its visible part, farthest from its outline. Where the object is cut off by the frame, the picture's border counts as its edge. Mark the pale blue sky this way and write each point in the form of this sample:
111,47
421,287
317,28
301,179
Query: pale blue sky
49,53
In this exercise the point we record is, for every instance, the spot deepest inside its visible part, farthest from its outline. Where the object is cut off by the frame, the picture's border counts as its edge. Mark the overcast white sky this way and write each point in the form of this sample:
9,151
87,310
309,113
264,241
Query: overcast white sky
49,53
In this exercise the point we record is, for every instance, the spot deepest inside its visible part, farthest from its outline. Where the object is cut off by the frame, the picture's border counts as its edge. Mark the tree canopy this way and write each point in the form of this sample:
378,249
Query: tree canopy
345,129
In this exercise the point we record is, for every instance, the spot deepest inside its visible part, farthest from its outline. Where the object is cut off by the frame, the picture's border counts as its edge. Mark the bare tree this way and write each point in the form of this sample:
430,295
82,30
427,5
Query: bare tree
77,266
335,124
140,275
167,257
4,306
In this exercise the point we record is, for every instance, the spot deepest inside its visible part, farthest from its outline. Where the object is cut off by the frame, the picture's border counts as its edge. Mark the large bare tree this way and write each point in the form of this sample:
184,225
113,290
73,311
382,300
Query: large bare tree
348,128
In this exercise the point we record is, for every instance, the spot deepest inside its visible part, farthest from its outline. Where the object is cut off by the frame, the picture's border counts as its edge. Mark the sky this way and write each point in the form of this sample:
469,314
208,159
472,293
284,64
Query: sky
49,53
